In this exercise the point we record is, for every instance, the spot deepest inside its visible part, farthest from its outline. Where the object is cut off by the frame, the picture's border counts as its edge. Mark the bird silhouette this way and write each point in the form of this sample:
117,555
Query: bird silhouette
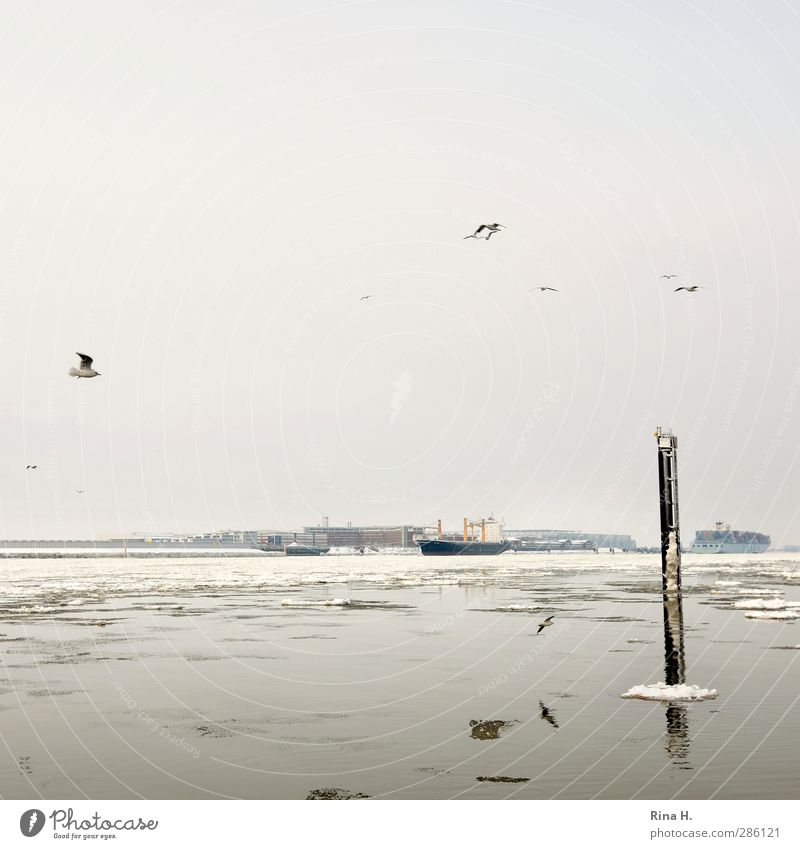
688,288
31,467
365,297
668,276
547,715
543,289
485,231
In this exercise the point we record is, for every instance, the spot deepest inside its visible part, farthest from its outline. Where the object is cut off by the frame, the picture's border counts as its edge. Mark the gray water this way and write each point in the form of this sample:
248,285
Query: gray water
226,678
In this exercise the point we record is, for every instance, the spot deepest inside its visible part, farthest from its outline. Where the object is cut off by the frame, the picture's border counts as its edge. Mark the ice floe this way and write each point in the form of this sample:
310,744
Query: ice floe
328,602
760,591
773,614
764,604
662,692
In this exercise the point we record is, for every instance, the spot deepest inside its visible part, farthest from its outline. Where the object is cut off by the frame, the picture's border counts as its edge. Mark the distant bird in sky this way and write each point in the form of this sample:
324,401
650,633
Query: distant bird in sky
688,288
543,289
81,491
668,276
547,715
31,467
485,231
547,622
85,369
365,297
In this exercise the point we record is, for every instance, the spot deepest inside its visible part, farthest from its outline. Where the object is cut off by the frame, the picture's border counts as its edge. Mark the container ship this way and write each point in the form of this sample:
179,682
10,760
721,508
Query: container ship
490,542
723,540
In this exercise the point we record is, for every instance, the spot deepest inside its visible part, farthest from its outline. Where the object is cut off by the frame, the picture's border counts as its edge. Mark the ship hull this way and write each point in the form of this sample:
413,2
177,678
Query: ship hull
299,550
451,548
730,548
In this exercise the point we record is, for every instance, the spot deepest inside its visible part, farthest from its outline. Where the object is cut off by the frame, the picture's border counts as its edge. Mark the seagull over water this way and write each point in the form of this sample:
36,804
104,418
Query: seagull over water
543,289
85,369
668,276
31,467
365,297
546,624
485,231
688,288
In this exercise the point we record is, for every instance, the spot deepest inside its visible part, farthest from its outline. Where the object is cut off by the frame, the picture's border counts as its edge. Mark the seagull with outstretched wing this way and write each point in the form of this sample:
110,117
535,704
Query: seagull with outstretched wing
546,624
485,231
85,369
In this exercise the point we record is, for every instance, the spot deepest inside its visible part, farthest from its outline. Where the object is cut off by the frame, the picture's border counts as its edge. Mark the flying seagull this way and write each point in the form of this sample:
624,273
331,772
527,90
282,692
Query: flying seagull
365,297
668,276
85,369
688,288
81,491
547,622
543,289
485,231
31,467
545,714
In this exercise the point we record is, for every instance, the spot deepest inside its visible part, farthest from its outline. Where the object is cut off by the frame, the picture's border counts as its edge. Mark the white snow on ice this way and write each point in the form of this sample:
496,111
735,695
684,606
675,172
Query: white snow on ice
765,604
662,692
773,614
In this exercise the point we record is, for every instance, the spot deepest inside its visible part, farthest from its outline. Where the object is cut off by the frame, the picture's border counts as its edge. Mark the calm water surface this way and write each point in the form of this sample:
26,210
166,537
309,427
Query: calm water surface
254,678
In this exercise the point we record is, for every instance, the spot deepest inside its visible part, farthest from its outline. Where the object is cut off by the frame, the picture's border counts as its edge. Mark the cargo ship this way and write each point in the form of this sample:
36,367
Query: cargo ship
298,549
444,547
490,542
723,540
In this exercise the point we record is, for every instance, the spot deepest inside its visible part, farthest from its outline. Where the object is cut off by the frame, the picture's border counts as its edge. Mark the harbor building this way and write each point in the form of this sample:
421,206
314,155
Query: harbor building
621,541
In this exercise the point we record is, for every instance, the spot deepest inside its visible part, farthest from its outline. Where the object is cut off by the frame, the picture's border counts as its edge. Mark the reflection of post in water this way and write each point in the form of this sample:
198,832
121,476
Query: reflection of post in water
677,742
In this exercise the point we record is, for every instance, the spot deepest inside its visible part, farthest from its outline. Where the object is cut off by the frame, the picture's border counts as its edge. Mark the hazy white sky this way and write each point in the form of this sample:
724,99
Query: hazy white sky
198,194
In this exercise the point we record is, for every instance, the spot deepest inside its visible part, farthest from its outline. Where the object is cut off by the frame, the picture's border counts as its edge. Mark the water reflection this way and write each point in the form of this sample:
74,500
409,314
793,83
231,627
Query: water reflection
677,739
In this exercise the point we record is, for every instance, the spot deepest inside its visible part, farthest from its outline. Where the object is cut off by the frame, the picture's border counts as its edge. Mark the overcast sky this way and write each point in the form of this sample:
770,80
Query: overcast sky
198,194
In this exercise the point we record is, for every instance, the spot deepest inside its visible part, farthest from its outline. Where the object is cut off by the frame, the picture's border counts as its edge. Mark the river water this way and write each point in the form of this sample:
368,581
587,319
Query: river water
396,677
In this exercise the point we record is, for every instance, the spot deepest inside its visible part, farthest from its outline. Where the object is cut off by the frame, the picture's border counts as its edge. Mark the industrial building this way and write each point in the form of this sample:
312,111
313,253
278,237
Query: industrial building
621,541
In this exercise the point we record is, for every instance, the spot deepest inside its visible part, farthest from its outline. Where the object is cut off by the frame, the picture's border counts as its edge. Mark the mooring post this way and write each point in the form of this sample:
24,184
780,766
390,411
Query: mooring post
668,506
